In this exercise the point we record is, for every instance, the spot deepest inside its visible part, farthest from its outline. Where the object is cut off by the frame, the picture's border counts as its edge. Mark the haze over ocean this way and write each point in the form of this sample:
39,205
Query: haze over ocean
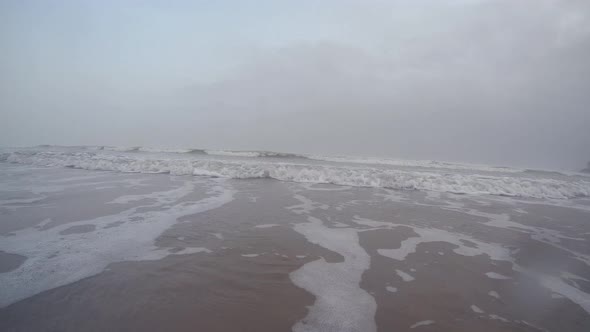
482,81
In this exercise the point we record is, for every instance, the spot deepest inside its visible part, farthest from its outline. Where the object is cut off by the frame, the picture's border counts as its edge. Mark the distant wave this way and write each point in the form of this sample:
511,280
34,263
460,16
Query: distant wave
232,153
516,186
335,159
256,154
114,148
543,172
286,155
415,163
196,151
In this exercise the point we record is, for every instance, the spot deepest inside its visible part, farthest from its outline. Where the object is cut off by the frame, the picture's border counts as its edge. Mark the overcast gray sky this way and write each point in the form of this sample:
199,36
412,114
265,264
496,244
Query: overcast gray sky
493,81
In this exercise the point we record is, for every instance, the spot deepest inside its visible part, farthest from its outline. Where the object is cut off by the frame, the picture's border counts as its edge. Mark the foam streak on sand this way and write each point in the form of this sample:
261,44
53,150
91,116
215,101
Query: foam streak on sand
422,323
476,247
476,309
575,295
53,262
503,220
341,305
391,289
409,245
405,277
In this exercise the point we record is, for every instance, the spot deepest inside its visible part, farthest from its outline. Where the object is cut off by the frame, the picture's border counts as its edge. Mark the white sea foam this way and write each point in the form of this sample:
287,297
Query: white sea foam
494,294
306,205
476,247
164,150
502,220
570,276
559,286
391,289
422,323
233,153
476,309
55,259
500,318
191,250
339,224
405,277
494,275
266,225
437,181
273,154
158,195
340,305
16,203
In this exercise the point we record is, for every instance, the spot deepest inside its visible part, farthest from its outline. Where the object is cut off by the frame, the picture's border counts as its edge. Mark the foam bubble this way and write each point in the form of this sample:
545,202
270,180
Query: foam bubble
422,323
266,225
500,318
476,309
494,275
494,294
391,289
405,277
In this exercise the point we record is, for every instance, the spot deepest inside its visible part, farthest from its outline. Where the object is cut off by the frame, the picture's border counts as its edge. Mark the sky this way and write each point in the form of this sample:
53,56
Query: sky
502,82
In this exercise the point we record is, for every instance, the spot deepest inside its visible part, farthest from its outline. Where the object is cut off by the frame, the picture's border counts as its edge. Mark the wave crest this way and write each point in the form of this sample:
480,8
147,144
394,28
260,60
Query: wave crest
351,176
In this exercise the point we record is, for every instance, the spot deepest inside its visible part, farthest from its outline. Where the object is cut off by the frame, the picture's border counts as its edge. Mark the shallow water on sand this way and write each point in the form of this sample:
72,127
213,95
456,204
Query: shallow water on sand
93,251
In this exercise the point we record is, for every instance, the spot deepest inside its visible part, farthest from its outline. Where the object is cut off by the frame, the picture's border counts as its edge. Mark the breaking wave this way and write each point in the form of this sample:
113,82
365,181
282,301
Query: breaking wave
231,153
515,186
284,155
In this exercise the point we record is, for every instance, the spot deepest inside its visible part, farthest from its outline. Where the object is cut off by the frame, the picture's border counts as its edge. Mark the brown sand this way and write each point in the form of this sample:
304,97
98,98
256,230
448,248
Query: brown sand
243,284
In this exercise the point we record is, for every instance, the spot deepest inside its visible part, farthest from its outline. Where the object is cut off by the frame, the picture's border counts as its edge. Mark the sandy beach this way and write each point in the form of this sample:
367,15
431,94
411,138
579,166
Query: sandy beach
96,250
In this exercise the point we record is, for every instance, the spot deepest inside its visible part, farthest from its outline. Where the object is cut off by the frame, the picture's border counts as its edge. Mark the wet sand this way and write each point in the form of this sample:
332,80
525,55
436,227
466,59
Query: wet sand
152,252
